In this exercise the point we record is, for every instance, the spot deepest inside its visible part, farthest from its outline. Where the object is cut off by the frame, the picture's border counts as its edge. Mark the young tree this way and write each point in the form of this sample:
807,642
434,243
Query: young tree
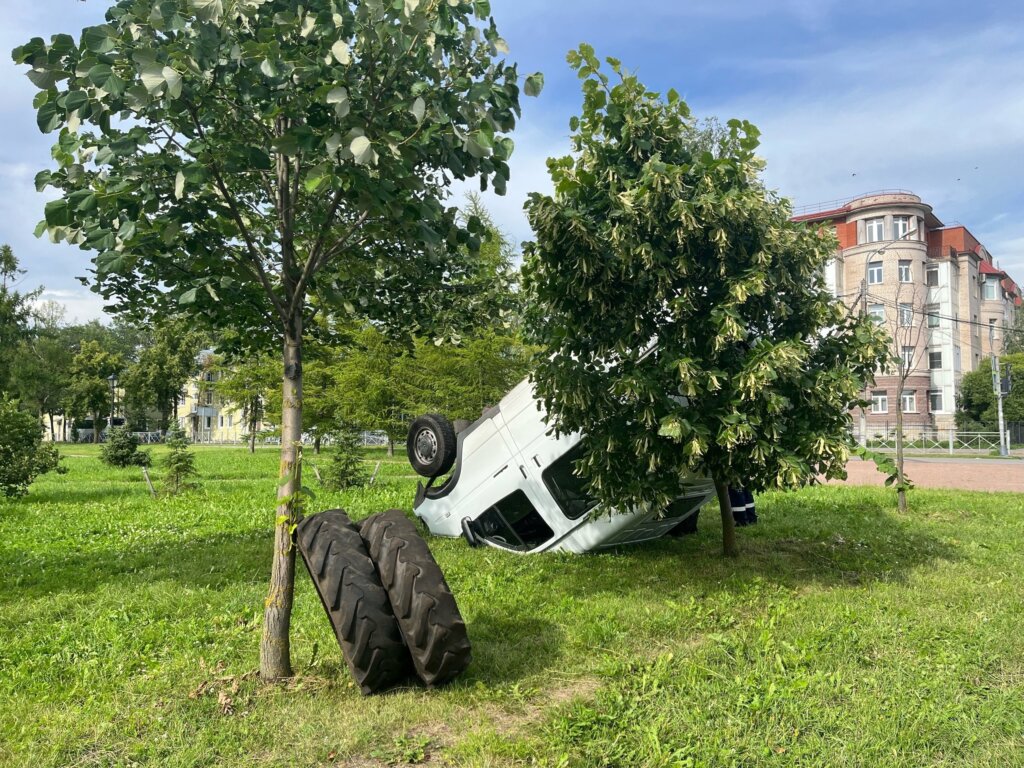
976,402
233,158
23,457
89,389
683,319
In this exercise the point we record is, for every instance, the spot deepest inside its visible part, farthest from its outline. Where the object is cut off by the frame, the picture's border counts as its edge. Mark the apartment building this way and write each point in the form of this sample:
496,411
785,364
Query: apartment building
204,415
936,288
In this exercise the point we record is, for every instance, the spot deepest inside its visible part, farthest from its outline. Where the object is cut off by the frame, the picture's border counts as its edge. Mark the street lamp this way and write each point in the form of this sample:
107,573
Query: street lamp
112,379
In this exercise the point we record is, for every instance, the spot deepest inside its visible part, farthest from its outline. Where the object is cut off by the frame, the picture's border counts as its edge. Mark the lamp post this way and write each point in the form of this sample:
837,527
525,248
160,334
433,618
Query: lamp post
112,379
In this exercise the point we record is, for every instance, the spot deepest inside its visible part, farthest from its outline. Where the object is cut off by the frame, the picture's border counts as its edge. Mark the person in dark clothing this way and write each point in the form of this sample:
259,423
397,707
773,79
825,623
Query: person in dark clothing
743,508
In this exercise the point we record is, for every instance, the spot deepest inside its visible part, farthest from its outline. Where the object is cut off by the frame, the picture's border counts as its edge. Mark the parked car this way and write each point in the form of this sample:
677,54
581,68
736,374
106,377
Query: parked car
513,485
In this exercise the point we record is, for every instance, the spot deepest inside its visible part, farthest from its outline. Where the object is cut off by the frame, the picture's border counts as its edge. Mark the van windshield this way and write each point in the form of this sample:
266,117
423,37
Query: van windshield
567,488
513,523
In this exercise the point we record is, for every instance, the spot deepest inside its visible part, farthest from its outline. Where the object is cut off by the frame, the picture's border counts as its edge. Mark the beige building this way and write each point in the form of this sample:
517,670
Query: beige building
205,416
936,288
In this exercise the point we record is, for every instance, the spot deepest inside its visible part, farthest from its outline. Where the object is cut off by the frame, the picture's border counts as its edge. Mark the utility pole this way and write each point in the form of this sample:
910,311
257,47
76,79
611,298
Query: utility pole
997,387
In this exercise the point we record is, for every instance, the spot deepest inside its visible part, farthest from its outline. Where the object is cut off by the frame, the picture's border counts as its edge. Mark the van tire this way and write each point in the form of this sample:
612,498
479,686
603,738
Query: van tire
423,603
356,603
431,445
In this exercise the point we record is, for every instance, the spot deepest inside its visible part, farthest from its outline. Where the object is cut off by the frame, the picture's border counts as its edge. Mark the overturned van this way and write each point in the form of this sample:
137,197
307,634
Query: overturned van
512,485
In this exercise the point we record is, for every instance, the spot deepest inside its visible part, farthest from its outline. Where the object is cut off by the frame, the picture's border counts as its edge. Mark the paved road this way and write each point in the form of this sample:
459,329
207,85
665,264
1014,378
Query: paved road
934,472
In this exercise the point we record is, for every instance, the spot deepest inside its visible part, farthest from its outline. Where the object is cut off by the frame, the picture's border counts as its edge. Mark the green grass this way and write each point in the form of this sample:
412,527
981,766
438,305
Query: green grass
845,635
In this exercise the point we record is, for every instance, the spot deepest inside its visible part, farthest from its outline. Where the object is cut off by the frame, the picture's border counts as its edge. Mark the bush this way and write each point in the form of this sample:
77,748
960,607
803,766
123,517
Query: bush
122,450
180,463
345,468
23,457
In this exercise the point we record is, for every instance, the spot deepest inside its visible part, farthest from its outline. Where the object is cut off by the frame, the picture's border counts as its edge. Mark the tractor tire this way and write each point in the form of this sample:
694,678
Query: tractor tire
423,603
431,445
357,606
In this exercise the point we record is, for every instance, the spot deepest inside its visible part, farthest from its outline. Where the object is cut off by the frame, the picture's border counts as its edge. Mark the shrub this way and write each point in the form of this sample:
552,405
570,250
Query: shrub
345,467
122,450
23,457
180,463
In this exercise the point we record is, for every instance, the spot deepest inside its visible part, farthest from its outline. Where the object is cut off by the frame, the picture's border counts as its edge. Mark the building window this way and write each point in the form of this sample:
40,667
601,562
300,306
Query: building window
909,402
935,360
906,272
956,359
900,227
873,229
977,328
231,419
935,400
879,402
907,358
931,277
875,273
209,398
209,422
877,312
906,315
221,422
932,313
991,289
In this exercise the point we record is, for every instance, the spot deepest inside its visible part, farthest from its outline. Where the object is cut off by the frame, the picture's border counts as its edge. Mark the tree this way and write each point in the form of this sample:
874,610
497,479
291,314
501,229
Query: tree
247,384
40,367
15,315
165,364
234,158
89,390
976,402
1015,334
683,320
179,462
23,457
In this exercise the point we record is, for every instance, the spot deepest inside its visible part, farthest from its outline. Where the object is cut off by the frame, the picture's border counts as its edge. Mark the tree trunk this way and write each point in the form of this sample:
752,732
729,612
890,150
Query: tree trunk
275,653
252,438
729,548
901,492
391,448
95,427
53,435
316,445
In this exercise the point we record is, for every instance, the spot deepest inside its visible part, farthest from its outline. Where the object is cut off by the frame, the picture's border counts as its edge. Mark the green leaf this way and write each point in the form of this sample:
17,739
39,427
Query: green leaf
153,78
45,78
75,99
362,150
58,213
188,297
49,117
179,185
341,52
173,80
534,84
99,39
208,10
419,107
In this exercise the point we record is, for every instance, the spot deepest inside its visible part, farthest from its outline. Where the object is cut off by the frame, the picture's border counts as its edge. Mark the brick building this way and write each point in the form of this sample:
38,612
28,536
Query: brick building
935,287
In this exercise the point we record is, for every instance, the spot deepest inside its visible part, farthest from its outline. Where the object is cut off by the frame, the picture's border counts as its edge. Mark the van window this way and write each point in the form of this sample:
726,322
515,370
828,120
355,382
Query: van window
567,488
513,523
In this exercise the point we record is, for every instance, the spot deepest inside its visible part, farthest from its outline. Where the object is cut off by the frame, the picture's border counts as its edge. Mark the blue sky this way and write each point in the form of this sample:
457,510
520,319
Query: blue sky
850,98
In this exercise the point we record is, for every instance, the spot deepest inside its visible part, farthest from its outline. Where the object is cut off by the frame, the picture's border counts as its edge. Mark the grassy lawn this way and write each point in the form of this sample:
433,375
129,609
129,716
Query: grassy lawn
844,635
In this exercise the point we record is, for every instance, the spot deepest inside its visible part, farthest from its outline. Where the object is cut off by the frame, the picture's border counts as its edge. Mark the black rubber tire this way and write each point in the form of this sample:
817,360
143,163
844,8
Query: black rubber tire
431,445
355,601
423,603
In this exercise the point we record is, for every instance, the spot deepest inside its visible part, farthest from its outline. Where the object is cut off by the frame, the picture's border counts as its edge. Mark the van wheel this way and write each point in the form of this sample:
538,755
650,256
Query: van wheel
355,601
431,445
423,603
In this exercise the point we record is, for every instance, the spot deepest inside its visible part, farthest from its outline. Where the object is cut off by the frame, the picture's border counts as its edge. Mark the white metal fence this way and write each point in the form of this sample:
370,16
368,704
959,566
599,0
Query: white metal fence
931,440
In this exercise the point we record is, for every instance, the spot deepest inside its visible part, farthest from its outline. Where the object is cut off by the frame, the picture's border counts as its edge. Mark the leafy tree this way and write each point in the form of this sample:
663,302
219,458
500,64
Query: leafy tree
1014,344
179,462
366,391
164,365
23,456
89,389
248,385
235,158
15,315
122,450
40,367
976,402
683,320
460,381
